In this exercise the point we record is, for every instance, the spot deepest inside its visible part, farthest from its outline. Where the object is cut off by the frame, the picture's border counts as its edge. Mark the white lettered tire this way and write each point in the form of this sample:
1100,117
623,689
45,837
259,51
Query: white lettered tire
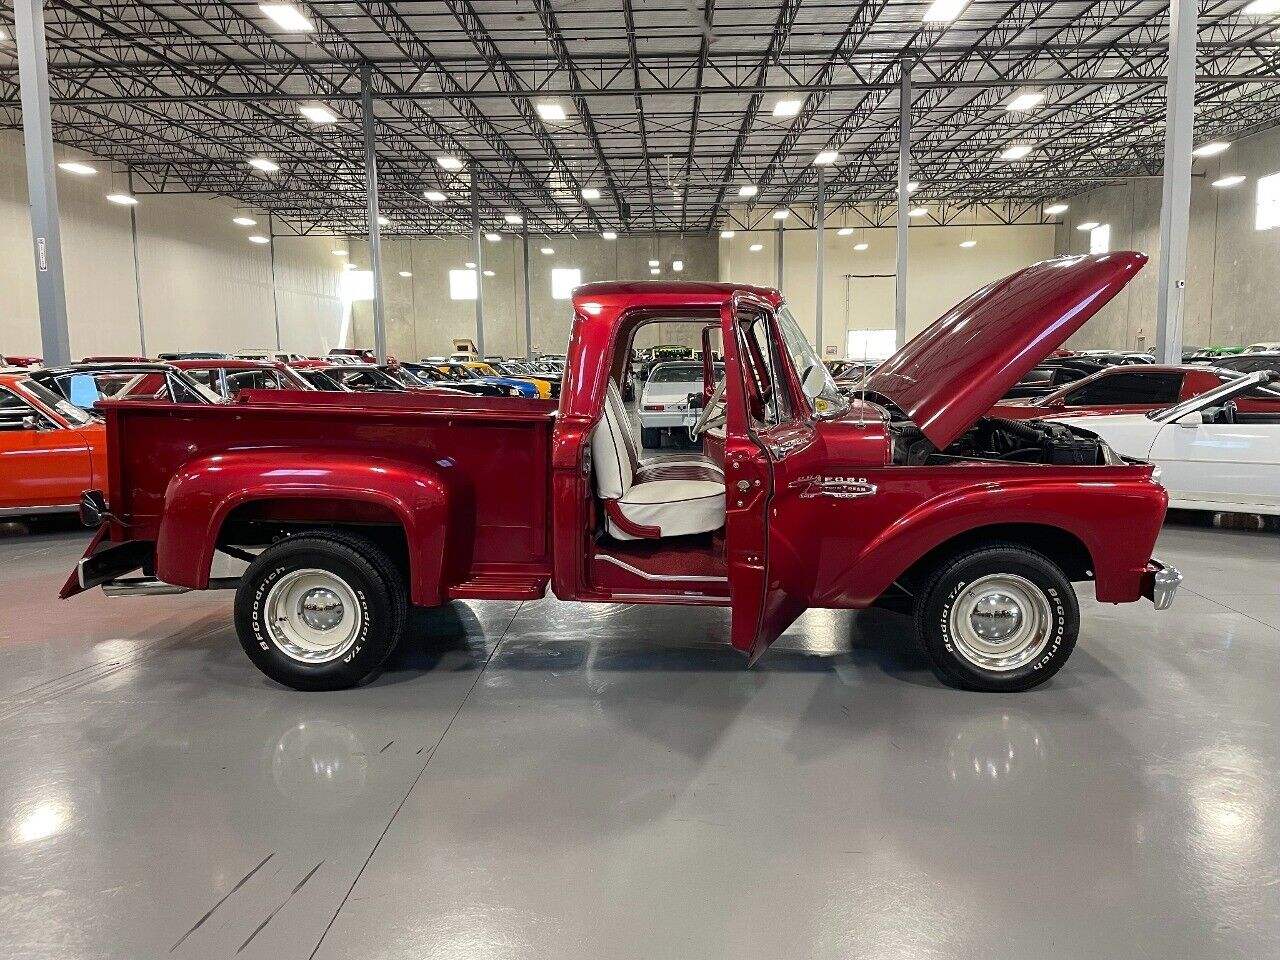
321,611
1000,618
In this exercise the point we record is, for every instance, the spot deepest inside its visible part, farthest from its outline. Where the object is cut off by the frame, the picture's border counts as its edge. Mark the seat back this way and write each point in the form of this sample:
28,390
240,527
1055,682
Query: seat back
610,456
613,399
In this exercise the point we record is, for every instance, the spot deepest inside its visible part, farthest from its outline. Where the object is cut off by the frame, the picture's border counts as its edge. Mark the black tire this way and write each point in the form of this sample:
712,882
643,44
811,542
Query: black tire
651,437
946,586
373,578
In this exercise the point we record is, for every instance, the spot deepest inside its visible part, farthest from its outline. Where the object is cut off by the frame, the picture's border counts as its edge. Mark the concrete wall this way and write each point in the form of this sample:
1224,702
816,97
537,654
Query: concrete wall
204,286
423,321
1233,276
858,286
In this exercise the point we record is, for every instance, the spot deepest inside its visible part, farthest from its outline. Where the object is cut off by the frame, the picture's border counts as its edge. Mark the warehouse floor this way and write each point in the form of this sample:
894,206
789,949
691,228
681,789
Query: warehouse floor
551,780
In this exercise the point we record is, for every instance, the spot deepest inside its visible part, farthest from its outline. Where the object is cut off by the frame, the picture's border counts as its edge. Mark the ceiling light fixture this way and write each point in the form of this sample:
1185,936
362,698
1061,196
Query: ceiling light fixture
1229,181
384,222
488,273
1015,152
608,235
653,263
469,265
654,270
825,158
913,186
756,247
1025,101
1211,149
917,212
677,265
1056,208
547,251
860,246
787,108
78,168
244,221
726,234
590,193
287,17
263,164
492,237
434,196
449,163
1087,225
406,273
258,238
550,111
944,11
318,114
338,252
750,190
968,244
513,218
781,214
844,231
123,199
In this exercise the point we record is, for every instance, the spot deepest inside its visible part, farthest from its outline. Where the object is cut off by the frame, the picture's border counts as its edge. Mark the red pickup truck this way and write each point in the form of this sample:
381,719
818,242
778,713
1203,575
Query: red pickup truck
350,508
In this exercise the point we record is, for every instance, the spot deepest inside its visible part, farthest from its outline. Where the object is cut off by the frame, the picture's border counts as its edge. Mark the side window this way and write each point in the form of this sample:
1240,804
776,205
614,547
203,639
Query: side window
15,413
767,400
1129,388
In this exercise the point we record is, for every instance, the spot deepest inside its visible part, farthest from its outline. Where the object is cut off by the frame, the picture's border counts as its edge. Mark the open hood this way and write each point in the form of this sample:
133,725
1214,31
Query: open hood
954,370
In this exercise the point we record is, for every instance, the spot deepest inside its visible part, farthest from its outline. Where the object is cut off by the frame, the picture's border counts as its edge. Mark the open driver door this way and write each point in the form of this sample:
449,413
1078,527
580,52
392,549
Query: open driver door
760,433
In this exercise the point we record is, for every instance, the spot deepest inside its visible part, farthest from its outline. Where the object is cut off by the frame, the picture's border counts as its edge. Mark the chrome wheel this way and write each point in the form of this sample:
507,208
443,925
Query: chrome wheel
313,616
1001,622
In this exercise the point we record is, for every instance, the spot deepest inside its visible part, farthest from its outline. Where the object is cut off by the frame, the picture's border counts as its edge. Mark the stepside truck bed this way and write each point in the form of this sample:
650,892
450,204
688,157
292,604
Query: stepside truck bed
480,464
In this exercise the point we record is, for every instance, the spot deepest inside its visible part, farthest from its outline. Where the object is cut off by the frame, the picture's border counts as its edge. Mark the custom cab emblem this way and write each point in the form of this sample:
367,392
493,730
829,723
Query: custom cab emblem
843,488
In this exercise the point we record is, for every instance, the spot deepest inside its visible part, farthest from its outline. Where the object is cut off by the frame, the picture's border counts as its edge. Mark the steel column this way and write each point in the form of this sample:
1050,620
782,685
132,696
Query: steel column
478,257
820,220
904,178
275,291
777,257
137,271
528,308
1175,204
42,187
371,190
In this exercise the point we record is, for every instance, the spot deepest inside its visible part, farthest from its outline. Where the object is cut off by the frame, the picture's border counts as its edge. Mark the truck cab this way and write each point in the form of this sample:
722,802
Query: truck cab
349,509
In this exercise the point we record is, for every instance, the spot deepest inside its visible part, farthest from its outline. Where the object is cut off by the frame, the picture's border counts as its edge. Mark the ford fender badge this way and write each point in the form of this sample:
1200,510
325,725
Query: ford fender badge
844,488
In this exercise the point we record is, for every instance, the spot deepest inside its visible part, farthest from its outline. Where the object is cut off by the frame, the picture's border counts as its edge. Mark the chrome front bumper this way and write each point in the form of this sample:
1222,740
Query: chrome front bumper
1160,584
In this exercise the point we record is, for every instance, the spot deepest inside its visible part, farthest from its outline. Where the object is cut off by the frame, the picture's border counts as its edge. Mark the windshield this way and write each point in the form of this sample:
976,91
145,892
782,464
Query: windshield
1254,384
819,388
65,408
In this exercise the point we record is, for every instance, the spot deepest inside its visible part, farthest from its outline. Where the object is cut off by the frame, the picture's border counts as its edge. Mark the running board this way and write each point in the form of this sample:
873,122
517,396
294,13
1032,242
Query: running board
151,587
500,586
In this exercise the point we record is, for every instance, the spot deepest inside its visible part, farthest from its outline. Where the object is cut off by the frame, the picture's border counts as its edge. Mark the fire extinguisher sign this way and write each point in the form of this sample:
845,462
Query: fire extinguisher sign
41,259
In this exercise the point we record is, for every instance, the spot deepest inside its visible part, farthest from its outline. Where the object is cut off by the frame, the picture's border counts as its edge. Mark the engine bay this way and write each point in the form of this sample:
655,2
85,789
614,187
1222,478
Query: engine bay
1009,441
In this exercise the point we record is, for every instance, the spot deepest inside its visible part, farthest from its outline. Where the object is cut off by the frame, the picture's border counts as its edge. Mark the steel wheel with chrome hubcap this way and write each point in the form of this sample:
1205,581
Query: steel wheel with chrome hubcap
999,618
321,610
313,615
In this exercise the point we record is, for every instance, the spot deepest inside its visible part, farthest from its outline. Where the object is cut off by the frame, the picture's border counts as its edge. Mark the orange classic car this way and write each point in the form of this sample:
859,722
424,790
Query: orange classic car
50,449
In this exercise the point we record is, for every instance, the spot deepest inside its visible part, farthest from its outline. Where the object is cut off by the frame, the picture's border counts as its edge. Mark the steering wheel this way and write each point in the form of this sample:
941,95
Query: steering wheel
708,418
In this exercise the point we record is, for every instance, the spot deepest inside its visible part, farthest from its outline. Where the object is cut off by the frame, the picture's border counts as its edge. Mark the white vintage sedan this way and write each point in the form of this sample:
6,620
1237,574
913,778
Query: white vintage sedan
1219,451
665,406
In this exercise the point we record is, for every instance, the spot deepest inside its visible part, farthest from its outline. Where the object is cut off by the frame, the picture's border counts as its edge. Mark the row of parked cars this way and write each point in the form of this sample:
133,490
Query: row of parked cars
52,439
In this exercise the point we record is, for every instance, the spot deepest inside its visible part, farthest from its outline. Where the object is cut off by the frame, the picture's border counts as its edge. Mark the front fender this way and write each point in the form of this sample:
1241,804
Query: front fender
1117,520
426,500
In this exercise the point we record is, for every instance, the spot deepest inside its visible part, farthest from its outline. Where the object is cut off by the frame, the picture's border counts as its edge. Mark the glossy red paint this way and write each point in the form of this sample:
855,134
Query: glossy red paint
45,466
952,373
1195,381
494,497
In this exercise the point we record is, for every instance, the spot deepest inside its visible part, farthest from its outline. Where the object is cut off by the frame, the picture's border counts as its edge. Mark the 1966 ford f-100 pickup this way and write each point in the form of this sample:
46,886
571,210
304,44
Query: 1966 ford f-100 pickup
349,508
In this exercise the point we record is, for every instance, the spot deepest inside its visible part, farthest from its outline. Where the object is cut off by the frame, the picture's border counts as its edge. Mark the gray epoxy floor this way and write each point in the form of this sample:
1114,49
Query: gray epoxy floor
551,780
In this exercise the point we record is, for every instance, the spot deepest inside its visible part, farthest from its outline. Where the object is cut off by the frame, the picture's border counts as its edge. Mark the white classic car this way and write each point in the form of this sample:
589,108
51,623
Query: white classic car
665,406
1212,455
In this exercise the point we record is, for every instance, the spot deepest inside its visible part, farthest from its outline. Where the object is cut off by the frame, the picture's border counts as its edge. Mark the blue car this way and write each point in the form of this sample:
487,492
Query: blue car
456,370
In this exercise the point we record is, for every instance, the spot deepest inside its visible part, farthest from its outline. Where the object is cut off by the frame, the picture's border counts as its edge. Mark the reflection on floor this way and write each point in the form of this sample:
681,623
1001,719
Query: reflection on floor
556,780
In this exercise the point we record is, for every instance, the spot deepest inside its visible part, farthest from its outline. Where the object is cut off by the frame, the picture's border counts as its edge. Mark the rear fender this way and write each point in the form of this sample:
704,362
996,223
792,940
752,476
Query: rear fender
426,500
1116,521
